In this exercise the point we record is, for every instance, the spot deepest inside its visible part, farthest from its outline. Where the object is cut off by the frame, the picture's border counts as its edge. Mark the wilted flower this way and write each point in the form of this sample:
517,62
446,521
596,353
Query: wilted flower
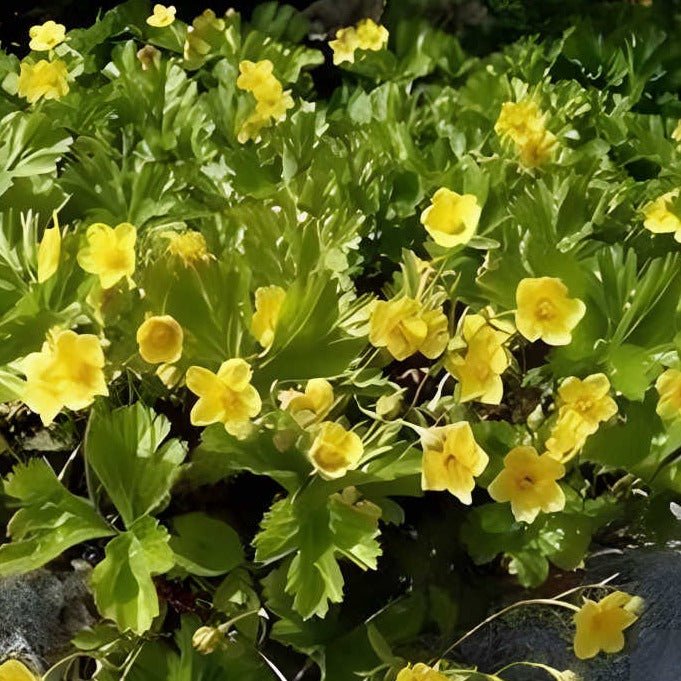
314,403
480,358
47,79
545,311
452,459
668,386
13,670
67,372
226,397
660,219
189,246
335,450
451,219
404,328
600,626
160,339
49,251
46,36
110,252
268,302
148,56
528,481
162,16
207,640
420,672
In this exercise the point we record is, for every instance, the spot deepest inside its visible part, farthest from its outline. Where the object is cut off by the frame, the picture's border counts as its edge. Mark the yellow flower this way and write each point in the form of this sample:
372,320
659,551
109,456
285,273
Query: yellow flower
13,670
537,150
252,127
226,397
344,46
567,436
335,450
370,35
583,406
67,372
189,246
148,56
452,459
403,328
420,672
451,219
268,302
49,251
110,253
600,626
481,360
676,134
590,399
274,104
160,339
43,79
46,36
659,219
163,16
314,403
528,481
545,311
256,76
668,386
520,121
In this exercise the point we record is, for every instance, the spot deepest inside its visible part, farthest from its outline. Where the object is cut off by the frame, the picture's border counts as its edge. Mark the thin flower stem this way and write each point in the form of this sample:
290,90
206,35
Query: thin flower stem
532,601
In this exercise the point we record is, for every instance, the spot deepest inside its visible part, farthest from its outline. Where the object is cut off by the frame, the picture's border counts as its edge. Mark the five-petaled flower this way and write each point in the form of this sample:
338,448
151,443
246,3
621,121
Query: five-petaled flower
49,251
66,372
46,36
451,219
366,35
452,459
226,397
46,79
478,357
268,303
600,625
528,481
159,339
335,450
668,386
544,310
109,253
420,672
404,328
659,218
582,406
162,16
310,405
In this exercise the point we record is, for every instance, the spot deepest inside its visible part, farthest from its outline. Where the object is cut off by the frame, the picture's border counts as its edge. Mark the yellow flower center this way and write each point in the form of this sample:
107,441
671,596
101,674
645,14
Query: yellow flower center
584,405
526,482
116,259
545,310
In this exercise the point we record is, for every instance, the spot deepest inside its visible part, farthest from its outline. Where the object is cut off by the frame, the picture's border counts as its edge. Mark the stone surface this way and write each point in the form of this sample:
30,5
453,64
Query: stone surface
544,634
39,614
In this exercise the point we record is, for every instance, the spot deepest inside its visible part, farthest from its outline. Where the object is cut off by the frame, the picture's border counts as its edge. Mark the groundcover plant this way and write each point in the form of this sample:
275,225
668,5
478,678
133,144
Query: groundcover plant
245,324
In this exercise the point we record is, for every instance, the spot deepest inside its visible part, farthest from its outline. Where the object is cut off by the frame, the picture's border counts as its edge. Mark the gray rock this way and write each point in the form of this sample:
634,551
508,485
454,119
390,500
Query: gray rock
39,614
544,634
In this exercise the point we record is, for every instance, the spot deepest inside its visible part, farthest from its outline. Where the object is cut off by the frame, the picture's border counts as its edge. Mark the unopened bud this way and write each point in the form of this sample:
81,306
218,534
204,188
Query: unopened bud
207,639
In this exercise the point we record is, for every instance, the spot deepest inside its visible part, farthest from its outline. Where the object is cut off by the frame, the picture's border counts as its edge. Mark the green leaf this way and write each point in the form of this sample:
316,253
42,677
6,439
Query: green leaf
632,370
123,587
205,546
50,519
127,452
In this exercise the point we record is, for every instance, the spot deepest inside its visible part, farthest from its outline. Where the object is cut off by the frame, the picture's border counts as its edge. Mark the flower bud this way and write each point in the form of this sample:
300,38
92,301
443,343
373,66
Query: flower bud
206,640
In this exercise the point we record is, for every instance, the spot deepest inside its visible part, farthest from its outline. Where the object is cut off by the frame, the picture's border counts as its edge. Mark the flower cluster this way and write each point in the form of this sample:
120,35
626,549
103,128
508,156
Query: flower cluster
272,101
366,35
